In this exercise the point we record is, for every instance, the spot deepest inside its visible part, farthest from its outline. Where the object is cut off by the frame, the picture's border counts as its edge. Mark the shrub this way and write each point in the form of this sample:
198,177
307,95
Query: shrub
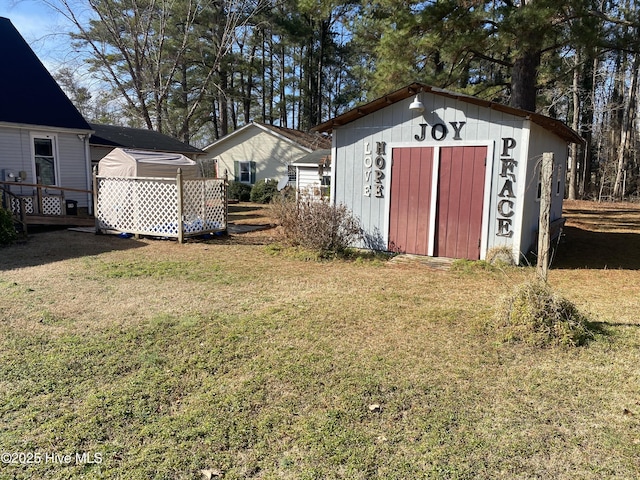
316,224
537,316
7,228
264,191
239,191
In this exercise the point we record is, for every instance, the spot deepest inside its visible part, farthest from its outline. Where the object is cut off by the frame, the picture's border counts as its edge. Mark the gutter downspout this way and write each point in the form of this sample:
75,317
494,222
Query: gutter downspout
89,170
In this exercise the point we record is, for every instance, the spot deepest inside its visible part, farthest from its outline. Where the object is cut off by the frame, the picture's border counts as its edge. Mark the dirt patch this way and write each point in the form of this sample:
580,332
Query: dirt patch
250,214
53,244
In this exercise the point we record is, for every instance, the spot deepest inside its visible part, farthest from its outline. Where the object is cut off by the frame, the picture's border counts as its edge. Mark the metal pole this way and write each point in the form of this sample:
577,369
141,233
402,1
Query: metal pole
180,226
95,198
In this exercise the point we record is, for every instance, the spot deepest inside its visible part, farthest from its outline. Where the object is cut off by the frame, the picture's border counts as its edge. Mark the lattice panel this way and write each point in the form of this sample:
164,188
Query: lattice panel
204,205
112,209
150,206
52,205
138,206
28,205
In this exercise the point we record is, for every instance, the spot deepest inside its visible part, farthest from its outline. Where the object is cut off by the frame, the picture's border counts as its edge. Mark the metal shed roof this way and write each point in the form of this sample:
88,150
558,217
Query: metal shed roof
548,123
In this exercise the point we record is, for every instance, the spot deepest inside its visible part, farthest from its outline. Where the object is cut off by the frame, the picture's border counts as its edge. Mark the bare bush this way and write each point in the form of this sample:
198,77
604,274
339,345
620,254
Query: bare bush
316,224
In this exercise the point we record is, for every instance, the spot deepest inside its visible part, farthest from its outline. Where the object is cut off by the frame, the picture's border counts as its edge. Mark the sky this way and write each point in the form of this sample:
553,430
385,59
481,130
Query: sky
41,26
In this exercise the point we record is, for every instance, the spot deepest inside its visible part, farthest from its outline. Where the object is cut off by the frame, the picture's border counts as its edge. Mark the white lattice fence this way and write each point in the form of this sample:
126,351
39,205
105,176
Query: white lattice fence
149,206
28,204
204,205
51,204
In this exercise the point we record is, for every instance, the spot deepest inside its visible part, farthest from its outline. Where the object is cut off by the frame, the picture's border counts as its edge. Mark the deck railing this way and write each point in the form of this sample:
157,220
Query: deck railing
43,200
46,204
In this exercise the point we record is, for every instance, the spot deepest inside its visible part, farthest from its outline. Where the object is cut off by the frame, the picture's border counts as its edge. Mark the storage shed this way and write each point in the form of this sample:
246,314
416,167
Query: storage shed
313,174
433,172
124,162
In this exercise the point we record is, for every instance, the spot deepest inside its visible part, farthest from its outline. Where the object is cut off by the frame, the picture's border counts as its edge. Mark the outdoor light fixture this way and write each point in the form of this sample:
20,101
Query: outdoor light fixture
416,105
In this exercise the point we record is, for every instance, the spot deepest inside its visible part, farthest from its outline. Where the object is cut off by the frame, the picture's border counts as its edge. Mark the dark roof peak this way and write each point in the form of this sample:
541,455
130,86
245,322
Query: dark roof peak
28,93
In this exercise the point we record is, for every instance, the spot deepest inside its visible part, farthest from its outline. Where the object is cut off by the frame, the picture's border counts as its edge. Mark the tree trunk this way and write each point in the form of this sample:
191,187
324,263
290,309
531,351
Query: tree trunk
271,80
283,93
224,106
265,101
588,88
574,150
184,134
626,131
523,80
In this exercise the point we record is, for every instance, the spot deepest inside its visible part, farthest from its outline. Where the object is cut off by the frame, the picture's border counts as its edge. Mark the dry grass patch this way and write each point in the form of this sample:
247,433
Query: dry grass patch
170,359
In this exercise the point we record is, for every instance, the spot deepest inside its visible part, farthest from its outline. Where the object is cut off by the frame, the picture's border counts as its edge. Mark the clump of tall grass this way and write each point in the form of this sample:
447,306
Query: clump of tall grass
536,315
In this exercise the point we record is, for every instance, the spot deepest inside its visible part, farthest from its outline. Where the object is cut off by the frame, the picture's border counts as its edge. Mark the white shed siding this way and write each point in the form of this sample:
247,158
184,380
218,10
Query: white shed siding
541,142
271,154
307,179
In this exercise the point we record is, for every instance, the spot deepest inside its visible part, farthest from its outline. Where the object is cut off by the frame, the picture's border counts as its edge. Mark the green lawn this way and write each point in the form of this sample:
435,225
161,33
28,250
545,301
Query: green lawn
160,360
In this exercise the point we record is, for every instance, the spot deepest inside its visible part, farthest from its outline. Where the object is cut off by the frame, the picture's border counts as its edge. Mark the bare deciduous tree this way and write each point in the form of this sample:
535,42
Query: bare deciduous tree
159,52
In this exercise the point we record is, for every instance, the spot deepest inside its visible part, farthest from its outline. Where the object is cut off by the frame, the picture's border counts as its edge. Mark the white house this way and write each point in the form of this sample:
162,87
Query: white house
433,172
44,140
258,151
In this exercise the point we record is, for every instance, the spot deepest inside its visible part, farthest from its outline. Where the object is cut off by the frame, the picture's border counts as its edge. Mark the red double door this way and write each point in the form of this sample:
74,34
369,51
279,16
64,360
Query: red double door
459,201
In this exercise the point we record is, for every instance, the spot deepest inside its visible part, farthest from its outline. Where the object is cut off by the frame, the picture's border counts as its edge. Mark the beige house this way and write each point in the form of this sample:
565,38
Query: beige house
258,151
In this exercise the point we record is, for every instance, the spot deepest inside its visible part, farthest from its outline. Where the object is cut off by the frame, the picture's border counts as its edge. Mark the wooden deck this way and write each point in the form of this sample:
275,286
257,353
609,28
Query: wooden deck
20,205
63,220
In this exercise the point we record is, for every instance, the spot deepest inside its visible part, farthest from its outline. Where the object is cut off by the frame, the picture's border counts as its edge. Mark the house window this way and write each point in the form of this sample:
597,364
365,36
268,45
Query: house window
244,175
325,185
245,171
45,160
291,171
